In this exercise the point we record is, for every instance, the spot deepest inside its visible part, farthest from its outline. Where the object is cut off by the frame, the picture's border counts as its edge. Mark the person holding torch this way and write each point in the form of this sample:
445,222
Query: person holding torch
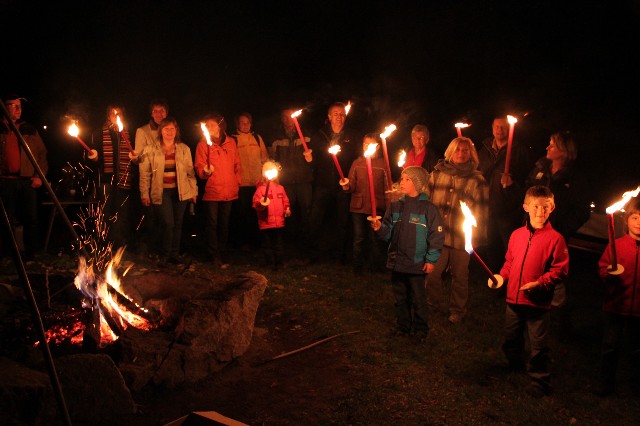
365,244
621,304
217,163
330,206
504,197
117,176
272,207
413,228
456,179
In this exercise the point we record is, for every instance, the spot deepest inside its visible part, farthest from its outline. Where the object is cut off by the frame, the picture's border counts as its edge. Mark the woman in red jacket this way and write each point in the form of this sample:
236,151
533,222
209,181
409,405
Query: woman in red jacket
219,165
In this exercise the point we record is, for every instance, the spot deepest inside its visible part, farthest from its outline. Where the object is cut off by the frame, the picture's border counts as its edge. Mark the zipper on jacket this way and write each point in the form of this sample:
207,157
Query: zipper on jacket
524,258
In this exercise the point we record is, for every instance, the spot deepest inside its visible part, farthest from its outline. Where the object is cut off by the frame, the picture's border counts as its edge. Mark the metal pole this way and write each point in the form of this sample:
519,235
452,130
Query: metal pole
37,319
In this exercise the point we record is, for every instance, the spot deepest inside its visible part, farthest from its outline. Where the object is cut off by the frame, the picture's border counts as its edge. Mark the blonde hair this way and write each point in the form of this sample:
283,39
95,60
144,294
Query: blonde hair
453,145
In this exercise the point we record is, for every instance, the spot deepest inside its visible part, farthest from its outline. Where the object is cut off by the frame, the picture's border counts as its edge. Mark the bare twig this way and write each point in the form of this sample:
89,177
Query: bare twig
308,346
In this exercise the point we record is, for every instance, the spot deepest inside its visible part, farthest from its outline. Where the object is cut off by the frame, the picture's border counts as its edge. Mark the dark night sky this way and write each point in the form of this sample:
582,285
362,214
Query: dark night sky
566,66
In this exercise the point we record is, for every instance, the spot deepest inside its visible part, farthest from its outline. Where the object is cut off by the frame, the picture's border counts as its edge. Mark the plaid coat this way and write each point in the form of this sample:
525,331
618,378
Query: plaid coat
448,185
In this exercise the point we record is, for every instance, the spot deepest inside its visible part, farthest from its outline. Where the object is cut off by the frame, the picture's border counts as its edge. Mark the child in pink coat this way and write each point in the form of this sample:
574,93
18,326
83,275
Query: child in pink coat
271,210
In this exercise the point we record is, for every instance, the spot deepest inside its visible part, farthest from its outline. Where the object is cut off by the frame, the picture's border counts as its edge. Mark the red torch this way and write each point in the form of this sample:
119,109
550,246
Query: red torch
495,280
512,122
383,136
615,268
459,127
74,131
122,132
334,150
295,121
367,155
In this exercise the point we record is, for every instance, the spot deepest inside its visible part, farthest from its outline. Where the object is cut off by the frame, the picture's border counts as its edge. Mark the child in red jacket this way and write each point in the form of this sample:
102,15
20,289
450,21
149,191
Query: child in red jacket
621,303
537,258
272,207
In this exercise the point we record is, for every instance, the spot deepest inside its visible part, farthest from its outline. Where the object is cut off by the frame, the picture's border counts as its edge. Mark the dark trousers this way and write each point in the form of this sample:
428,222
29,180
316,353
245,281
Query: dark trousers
367,248
300,198
243,219
217,227
171,215
21,202
410,302
536,322
273,245
329,222
613,338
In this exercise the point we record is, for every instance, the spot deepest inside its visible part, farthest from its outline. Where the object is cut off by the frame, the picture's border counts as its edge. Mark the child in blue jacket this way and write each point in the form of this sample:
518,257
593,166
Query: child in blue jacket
413,228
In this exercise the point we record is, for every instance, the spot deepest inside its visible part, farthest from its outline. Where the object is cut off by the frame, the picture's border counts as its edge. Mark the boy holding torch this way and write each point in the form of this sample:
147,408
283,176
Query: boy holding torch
537,259
413,228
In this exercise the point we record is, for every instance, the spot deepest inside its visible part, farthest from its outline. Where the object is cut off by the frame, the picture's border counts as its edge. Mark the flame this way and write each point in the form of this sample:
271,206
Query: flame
74,130
387,131
370,149
206,133
102,289
402,158
335,149
296,114
469,222
625,199
462,125
347,108
511,119
120,126
271,174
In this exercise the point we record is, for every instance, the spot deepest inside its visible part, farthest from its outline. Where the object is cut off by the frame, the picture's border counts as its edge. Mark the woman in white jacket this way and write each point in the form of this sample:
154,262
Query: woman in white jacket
168,181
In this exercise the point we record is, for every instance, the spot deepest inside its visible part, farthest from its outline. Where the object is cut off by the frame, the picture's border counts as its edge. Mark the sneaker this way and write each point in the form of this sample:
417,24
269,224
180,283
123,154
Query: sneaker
455,318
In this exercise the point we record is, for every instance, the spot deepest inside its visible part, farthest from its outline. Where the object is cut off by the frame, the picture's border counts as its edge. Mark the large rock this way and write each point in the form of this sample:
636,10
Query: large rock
205,325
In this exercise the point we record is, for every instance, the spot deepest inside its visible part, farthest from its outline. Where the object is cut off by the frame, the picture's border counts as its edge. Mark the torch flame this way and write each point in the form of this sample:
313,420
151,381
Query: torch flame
469,222
402,158
511,119
120,126
74,130
297,113
347,108
625,199
206,133
370,149
271,174
462,125
387,131
334,149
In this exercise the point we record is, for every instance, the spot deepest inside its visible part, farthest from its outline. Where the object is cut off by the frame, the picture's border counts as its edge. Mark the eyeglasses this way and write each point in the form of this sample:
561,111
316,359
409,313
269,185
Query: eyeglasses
16,106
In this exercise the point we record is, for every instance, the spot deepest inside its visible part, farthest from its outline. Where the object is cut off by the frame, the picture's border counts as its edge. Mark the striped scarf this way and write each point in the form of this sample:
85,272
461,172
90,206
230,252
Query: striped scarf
123,176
